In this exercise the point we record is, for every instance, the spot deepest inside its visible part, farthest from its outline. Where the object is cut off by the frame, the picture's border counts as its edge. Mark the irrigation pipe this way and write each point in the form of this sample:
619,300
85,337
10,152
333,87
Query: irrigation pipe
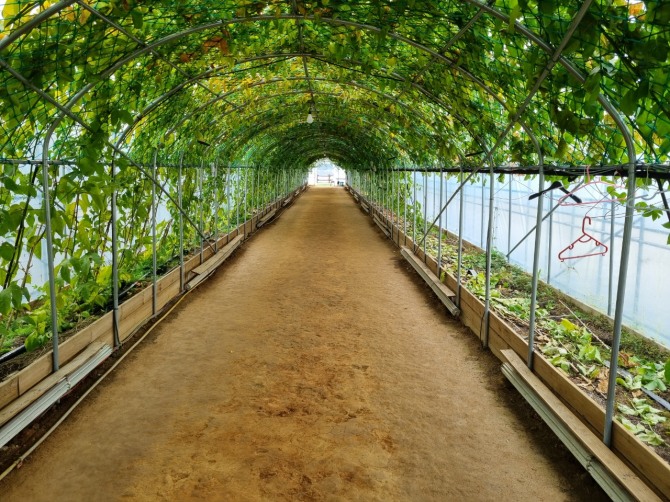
67,413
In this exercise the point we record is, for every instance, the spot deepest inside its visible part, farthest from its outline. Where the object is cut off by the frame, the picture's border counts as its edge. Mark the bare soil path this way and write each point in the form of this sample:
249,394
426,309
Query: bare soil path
313,366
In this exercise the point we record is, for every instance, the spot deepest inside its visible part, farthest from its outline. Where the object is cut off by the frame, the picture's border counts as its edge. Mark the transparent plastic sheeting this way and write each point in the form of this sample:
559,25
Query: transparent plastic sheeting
586,279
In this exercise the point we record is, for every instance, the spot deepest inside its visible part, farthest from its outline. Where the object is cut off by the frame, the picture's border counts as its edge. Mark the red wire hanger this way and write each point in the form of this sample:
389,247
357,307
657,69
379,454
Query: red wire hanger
562,200
585,238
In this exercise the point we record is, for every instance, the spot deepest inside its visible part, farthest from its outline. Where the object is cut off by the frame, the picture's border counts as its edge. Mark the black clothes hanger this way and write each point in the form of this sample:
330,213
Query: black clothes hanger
554,186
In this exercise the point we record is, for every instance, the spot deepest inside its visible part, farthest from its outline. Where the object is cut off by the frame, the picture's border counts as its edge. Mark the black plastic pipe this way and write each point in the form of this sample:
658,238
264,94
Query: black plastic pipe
8,356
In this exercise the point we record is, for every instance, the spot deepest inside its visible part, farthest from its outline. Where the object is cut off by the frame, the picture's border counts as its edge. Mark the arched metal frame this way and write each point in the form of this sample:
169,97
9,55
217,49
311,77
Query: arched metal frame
270,125
336,22
212,72
66,112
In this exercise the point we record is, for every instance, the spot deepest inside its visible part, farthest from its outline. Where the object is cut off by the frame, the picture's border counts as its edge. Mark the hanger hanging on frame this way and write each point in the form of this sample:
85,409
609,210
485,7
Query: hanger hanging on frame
585,238
554,186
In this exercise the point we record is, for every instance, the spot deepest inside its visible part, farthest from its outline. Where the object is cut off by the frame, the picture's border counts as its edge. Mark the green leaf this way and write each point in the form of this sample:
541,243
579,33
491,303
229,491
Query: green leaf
6,251
17,294
11,9
627,410
34,341
65,273
5,302
514,14
87,165
653,419
655,384
569,326
650,437
60,301
546,7
76,264
126,116
666,372
634,428
562,149
138,20
629,102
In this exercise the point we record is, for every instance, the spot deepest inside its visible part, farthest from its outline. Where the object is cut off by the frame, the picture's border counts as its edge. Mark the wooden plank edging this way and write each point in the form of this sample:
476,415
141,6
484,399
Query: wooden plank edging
443,293
204,270
266,218
381,225
18,405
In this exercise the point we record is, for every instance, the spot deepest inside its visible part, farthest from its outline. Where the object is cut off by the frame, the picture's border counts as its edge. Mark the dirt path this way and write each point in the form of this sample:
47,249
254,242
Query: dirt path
313,366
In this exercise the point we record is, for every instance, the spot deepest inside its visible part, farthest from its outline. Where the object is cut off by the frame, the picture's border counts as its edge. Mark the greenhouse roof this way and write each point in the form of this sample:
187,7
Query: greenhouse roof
387,82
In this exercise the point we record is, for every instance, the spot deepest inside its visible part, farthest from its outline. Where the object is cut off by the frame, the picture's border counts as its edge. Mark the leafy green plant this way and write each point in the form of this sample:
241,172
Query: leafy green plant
648,418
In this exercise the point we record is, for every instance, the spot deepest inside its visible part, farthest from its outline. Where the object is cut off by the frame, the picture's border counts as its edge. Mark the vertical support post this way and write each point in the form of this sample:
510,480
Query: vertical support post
385,195
459,265
551,237
380,197
48,230
404,207
380,192
482,229
398,192
253,199
154,267
182,280
489,251
246,200
610,285
435,200
414,210
439,232
237,205
621,289
394,204
228,204
201,209
425,212
536,269
446,197
509,217
376,190
372,194
397,196
115,262
215,173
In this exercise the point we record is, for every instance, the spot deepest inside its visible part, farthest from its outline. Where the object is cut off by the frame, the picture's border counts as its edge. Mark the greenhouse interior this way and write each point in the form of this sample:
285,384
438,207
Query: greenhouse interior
334,250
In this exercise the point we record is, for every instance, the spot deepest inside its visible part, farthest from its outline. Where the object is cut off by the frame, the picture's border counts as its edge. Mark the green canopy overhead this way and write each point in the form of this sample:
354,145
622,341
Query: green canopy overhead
388,82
